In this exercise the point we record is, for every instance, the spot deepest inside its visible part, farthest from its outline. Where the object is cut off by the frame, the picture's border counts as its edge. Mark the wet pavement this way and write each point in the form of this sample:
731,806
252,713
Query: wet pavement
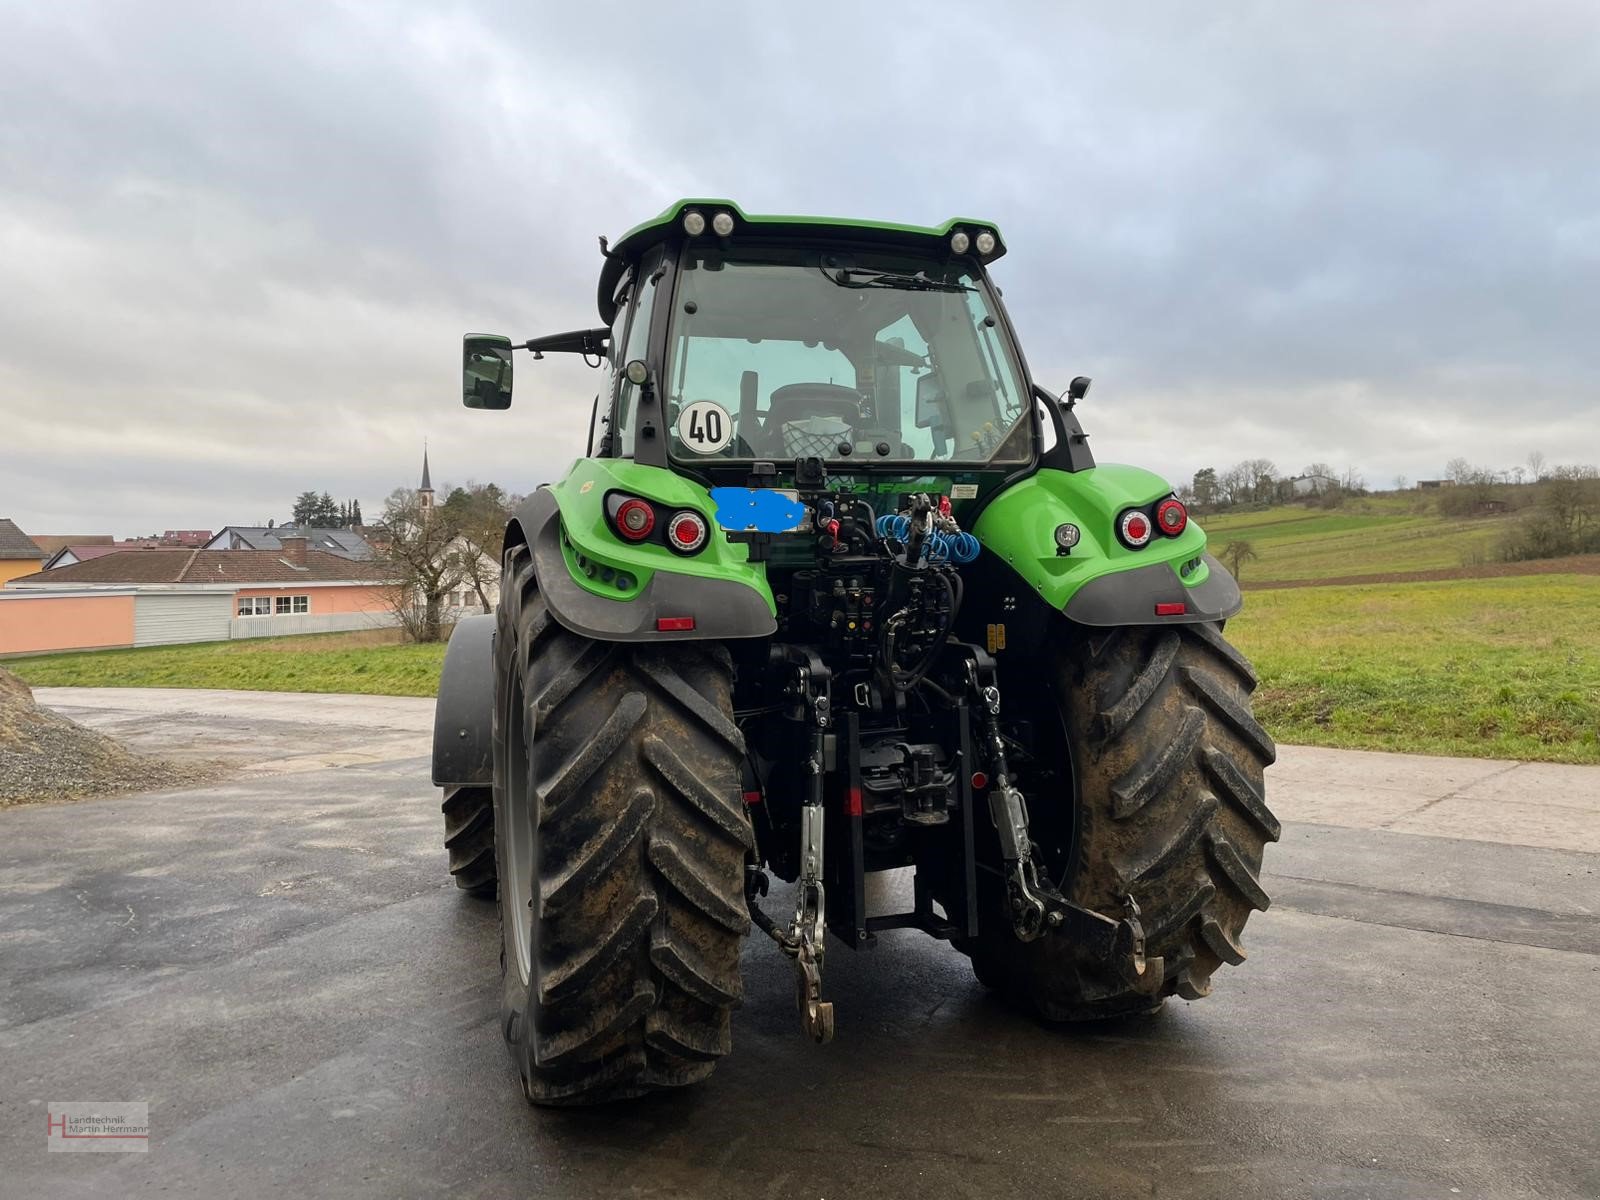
279,966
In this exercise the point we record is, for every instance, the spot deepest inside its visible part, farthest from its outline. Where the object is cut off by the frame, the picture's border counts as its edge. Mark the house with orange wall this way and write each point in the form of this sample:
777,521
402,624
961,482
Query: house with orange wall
19,554
38,621
163,595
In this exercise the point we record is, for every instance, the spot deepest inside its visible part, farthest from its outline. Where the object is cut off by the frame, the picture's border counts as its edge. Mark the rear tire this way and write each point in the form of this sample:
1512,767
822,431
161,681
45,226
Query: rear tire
469,838
1168,763
622,848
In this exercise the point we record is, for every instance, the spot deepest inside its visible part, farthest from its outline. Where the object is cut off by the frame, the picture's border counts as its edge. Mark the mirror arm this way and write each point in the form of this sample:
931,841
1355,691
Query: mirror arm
589,342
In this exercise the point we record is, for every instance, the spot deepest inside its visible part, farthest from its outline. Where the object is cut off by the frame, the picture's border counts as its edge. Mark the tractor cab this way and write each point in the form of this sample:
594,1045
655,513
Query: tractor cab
877,349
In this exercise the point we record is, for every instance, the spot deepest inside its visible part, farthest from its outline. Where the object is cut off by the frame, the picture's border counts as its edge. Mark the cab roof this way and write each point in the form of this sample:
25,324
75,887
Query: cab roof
932,238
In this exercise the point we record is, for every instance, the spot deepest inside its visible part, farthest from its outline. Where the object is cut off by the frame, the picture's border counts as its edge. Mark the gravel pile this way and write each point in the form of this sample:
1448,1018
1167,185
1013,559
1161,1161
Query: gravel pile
47,757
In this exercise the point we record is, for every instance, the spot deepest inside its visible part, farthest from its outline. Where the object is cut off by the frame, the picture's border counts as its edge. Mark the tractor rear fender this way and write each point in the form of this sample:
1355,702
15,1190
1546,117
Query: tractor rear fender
1101,581
462,745
599,586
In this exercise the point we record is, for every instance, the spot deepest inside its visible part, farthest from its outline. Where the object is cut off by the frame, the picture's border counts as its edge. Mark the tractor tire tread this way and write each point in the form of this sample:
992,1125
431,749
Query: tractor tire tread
1168,760
639,851
469,839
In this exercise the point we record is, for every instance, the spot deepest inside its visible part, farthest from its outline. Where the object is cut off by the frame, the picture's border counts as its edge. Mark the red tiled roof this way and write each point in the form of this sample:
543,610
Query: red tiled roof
243,567
51,542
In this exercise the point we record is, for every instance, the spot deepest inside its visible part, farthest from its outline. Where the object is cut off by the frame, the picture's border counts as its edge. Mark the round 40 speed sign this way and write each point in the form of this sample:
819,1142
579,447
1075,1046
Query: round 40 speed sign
704,427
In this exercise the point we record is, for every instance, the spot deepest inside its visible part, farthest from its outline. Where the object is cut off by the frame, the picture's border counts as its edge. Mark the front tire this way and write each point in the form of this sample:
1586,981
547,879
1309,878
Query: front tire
1167,764
622,843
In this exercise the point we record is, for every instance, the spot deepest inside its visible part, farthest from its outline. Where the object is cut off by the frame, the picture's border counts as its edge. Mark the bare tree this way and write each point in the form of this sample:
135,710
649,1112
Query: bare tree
1232,486
1252,479
1237,553
1572,498
479,513
1567,520
1260,474
1473,491
1536,465
1400,482
1353,481
424,560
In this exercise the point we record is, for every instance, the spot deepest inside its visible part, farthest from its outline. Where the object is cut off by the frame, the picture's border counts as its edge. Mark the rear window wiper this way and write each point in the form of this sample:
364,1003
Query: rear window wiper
868,277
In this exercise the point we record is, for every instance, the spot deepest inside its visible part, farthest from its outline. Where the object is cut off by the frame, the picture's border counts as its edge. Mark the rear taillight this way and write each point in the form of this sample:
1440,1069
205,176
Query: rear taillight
1172,517
686,531
635,519
1135,528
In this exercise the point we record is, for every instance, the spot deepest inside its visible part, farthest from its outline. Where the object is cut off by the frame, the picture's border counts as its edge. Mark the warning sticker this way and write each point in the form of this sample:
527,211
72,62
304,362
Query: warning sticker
963,491
704,427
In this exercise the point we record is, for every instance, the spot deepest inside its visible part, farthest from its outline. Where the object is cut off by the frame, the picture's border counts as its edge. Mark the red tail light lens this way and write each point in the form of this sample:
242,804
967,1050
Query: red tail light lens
1135,528
635,519
1172,516
686,532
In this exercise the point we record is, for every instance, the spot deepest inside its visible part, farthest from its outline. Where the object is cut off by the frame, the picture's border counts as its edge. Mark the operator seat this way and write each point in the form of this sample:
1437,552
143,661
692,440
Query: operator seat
797,401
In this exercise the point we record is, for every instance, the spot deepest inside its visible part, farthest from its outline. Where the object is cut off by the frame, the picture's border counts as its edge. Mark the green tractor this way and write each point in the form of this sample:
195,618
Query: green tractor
837,589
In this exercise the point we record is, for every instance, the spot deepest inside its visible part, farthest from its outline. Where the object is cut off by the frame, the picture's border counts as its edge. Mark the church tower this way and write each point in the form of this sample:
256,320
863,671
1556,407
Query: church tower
425,492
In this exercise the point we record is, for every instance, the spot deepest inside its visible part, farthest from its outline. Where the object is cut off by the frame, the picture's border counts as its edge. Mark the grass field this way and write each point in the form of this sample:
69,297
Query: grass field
1500,668
1386,533
1497,668
371,663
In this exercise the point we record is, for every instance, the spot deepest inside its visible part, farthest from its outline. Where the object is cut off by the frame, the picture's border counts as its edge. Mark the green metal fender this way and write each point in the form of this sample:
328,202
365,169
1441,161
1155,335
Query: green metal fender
1102,582
602,587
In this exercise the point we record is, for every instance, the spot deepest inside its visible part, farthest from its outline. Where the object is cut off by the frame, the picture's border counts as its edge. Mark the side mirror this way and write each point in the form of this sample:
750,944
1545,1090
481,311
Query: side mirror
486,370
930,401
1078,389
930,412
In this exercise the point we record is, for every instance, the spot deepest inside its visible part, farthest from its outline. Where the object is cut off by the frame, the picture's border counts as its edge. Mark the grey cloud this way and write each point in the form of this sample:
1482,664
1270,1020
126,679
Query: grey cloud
240,242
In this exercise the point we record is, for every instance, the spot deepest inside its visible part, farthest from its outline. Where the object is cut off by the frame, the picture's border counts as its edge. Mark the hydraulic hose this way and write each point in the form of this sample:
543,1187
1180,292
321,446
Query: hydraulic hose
906,680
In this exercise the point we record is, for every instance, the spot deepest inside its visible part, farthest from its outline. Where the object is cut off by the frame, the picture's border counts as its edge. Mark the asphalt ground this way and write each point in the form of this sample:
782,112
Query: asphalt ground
279,966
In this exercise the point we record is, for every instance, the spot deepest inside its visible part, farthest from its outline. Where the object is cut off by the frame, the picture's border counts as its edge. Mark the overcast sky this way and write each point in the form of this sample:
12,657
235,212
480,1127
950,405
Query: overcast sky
239,242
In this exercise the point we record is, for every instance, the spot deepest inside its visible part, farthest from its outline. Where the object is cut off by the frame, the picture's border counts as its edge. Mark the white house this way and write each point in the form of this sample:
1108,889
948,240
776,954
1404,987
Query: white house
1312,485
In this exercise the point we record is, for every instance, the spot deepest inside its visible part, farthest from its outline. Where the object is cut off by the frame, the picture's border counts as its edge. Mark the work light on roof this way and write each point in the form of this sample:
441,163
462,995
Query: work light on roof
722,224
985,242
694,223
959,241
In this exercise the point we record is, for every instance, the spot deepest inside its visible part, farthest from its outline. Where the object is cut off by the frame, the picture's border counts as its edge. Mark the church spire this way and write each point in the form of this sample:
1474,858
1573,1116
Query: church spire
425,492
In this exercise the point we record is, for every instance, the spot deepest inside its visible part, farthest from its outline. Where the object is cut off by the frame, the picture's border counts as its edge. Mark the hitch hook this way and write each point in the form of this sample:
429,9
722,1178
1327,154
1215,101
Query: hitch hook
816,1014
